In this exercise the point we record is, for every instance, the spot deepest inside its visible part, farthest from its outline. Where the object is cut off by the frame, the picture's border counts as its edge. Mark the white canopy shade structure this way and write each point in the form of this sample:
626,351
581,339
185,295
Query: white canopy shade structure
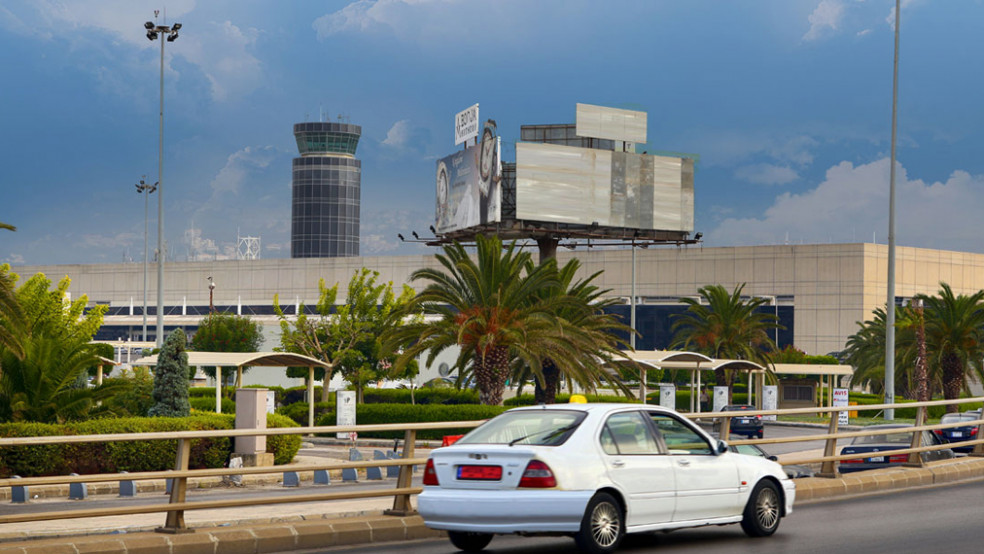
240,359
665,359
99,368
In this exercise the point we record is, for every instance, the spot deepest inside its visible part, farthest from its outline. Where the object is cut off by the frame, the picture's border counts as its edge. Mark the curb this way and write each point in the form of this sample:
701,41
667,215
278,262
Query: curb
283,537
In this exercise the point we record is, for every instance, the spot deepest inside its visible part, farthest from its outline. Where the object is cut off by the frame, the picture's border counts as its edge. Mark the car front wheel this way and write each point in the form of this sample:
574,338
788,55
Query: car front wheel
602,527
762,513
469,542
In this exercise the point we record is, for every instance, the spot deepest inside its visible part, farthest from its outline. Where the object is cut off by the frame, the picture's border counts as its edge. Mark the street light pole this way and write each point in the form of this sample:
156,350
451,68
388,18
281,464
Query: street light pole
146,190
168,34
890,304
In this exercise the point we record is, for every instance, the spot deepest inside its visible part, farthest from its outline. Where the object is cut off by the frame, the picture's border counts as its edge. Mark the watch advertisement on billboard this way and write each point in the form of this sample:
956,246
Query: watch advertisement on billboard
469,192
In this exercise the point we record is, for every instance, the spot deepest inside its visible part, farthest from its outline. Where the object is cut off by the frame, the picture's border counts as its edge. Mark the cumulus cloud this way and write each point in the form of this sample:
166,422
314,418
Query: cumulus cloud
221,50
767,174
238,165
111,242
826,17
404,18
863,32
201,248
14,259
852,203
403,136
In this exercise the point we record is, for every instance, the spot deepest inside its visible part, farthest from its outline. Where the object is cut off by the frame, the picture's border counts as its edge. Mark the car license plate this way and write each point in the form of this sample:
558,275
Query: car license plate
876,459
744,421
958,434
480,473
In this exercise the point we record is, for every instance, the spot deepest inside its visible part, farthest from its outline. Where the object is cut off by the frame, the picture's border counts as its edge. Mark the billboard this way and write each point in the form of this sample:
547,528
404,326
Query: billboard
588,186
469,190
610,123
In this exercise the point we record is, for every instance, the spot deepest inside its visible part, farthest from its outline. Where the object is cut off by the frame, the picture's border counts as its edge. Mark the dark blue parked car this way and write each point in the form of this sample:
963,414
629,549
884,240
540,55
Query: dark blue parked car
749,425
959,434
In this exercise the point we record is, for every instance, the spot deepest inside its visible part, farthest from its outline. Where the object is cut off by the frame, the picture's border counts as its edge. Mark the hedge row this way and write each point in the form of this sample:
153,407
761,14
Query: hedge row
407,413
230,392
420,396
207,404
132,456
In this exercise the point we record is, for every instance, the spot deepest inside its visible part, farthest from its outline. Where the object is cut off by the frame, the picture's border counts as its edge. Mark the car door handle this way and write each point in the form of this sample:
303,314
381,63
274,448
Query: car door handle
683,462
618,463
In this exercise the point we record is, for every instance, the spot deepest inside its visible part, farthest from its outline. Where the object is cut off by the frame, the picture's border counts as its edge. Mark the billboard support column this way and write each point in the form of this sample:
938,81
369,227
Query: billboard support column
548,247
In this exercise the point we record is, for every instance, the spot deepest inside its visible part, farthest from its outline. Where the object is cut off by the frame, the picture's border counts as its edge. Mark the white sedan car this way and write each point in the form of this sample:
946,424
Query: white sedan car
596,472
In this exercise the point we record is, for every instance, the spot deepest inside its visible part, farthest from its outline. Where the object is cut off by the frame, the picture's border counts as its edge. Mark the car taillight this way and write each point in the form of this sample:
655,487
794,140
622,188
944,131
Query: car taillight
973,430
898,459
938,432
430,476
851,461
538,476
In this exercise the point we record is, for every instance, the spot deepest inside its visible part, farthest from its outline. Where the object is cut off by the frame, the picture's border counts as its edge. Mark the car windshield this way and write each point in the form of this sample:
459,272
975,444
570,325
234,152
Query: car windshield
539,427
885,438
953,418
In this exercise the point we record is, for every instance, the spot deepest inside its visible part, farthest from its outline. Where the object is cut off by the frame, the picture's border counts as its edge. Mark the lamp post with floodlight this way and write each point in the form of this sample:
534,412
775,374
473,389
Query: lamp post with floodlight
171,34
142,188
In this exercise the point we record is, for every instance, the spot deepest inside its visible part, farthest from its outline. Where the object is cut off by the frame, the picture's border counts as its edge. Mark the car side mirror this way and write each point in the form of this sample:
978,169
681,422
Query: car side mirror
722,447
774,458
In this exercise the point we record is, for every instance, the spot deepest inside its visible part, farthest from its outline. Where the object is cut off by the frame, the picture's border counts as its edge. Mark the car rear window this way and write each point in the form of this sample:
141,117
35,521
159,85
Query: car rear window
952,418
537,427
887,438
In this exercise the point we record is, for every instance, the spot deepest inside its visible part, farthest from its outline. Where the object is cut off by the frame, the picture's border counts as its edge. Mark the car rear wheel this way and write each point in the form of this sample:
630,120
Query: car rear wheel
602,527
762,513
469,542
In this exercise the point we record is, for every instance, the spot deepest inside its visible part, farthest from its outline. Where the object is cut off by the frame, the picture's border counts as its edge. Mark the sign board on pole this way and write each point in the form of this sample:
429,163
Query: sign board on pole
770,400
720,398
344,410
466,125
271,402
840,399
667,396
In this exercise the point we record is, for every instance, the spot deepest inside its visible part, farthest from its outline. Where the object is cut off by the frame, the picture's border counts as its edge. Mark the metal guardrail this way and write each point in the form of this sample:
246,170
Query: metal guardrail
403,490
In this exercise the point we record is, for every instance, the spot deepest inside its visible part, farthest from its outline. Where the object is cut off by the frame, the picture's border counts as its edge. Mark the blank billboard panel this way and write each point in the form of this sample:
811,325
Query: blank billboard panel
610,123
582,186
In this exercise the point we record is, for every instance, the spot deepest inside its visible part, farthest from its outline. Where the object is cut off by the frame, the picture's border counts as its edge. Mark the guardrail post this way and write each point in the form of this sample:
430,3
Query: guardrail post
175,522
915,458
829,469
724,431
19,494
77,491
401,502
127,487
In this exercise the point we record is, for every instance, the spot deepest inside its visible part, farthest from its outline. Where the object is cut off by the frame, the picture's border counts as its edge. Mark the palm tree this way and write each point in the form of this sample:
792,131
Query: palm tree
727,327
865,351
490,308
955,337
593,335
12,323
41,386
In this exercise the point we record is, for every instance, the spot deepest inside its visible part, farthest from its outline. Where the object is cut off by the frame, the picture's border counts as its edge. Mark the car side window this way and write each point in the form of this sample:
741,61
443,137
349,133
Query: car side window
627,433
679,438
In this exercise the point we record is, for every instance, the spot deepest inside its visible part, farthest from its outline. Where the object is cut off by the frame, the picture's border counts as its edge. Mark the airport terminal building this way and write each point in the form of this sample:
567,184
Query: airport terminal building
818,291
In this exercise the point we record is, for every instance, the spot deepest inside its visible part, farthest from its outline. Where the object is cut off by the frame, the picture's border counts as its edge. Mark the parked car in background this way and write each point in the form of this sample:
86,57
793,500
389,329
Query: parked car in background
596,472
959,434
793,471
894,436
749,425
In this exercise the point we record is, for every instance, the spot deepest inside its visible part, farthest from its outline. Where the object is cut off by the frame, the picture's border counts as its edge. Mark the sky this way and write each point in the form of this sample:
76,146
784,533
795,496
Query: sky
785,103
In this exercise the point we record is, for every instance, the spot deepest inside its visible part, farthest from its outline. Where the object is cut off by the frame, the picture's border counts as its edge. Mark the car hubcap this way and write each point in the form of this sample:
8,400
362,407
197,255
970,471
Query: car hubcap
605,524
767,508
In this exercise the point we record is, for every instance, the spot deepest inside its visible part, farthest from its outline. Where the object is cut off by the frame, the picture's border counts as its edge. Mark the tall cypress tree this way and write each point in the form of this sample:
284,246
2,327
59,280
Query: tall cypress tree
171,379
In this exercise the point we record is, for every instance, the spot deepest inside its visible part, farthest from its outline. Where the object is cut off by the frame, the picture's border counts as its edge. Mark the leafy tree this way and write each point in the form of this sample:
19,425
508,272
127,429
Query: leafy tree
727,327
134,396
490,308
792,355
227,333
12,320
171,379
347,336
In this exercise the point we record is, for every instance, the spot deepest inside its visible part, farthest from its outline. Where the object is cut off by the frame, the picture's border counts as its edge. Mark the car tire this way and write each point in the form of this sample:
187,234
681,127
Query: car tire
763,510
603,525
469,542
761,434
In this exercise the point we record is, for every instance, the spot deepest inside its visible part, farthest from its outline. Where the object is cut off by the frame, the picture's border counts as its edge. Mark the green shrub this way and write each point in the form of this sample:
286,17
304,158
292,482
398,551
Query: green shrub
297,394
133,456
133,397
420,396
204,404
298,411
406,413
199,392
283,447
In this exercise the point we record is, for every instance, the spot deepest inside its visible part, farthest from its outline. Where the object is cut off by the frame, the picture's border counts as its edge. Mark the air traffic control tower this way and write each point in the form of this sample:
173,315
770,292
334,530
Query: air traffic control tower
326,186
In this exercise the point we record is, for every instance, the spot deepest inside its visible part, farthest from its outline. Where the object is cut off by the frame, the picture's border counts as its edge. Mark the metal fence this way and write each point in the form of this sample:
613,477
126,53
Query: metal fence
401,493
